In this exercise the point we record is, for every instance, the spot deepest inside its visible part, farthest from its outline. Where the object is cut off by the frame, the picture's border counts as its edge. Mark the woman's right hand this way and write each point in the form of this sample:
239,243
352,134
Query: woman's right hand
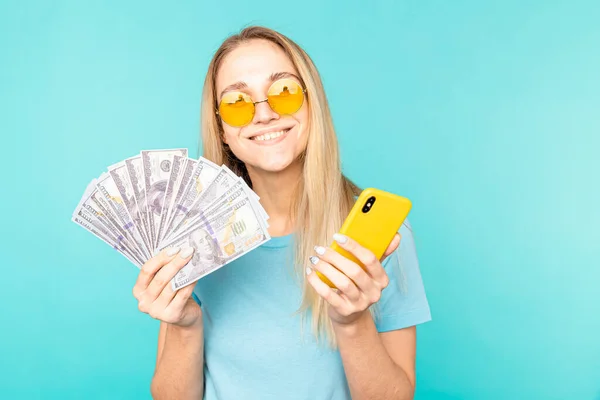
156,297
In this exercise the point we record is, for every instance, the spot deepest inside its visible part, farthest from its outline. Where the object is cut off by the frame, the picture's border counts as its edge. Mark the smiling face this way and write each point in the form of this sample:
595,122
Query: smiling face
270,142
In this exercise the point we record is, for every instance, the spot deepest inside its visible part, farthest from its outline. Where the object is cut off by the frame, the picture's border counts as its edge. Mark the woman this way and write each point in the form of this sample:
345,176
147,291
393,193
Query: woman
236,333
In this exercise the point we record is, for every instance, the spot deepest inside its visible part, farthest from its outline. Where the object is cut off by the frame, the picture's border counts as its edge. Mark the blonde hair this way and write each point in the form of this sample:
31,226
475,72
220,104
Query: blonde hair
324,196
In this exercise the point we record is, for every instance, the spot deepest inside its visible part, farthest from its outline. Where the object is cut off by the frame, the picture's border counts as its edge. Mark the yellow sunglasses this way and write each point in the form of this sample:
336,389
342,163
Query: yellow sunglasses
285,97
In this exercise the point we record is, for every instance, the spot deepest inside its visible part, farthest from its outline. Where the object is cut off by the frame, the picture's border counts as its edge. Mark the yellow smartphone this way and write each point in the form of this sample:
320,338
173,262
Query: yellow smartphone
373,221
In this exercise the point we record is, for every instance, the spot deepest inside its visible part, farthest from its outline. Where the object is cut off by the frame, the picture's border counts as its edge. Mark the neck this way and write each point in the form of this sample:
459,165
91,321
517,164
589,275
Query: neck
276,191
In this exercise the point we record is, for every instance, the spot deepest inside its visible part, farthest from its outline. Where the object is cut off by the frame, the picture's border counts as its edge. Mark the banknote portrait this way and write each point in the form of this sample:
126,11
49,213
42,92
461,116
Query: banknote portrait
156,196
207,254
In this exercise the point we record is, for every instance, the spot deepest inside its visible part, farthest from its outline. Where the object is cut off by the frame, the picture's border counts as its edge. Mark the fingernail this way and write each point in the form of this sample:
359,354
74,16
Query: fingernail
320,250
185,253
314,260
341,239
308,270
172,251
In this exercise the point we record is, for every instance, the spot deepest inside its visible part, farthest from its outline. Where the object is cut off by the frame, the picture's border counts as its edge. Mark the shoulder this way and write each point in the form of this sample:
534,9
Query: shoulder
406,253
404,302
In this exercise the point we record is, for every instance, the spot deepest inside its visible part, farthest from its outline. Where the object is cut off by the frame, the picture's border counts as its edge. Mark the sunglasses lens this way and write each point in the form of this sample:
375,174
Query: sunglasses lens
285,96
236,109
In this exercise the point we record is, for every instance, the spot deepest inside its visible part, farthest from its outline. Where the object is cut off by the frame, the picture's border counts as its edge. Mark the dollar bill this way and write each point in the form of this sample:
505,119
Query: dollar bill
87,221
92,203
231,195
216,188
257,204
236,192
157,168
162,198
135,171
223,238
175,177
202,176
107,187
120,176
82,214
184,180
101,211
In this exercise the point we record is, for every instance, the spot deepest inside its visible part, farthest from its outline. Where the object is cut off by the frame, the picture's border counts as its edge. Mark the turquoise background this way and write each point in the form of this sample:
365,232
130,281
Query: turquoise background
485,114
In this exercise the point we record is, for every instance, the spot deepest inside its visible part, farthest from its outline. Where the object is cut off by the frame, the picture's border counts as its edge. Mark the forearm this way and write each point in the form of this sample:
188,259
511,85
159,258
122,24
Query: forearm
370,371
179,371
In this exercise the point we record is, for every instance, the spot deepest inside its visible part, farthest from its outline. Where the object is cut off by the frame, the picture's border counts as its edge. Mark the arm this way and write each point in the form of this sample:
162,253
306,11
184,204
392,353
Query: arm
377,365
180,361
179,370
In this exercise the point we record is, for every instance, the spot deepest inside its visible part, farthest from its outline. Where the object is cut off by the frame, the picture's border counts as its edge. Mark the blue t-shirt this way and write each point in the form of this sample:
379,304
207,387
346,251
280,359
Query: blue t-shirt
253,347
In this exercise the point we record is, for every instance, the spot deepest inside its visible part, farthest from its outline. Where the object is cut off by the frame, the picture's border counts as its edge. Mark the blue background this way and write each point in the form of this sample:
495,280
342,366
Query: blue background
485,114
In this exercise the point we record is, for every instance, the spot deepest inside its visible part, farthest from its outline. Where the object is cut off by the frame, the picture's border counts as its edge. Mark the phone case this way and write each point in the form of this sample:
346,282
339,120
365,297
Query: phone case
376,228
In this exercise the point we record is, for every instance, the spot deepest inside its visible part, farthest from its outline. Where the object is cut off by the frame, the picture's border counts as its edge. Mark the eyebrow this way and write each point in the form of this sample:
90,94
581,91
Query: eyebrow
273,77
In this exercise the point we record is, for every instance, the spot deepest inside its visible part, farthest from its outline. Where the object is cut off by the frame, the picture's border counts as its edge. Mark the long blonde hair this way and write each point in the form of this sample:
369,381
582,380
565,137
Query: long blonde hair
324,196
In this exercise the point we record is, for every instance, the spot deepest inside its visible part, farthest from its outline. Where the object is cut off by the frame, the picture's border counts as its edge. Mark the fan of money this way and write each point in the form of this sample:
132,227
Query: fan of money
163,198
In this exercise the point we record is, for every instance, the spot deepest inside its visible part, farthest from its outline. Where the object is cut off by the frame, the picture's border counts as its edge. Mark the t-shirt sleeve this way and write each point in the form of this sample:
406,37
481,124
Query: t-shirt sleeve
195,297
403,302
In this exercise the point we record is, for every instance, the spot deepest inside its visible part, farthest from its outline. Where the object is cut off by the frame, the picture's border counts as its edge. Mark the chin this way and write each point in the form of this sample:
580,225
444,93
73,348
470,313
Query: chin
275,165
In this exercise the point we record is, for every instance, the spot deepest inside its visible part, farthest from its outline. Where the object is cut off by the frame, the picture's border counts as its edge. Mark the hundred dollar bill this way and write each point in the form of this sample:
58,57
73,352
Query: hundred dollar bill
223,238
135,171
93,204
157,168
256,197
101,210
200,179
234,176
216,188
107,187
186,175
120,176
175,177
91,224
236,192
237,183
231,195
82,213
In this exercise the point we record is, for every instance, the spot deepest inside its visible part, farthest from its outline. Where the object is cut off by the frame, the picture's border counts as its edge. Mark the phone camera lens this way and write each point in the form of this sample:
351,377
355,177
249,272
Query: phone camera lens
367,207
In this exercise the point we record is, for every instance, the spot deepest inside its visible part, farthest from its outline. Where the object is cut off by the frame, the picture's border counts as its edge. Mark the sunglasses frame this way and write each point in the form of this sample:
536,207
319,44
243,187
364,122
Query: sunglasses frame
254,103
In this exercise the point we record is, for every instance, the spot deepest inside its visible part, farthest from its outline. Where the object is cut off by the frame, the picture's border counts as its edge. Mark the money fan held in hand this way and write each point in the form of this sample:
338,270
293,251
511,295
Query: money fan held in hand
162,198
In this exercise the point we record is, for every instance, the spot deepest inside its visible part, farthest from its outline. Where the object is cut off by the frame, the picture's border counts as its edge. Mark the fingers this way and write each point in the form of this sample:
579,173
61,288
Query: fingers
170,305
366,257
177,304
349,269
328,294
358,287
155,297
150,268
164,299
341,281
167,272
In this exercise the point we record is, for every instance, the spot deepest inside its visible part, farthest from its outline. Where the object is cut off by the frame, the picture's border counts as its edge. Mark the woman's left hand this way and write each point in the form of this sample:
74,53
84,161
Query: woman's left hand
357,289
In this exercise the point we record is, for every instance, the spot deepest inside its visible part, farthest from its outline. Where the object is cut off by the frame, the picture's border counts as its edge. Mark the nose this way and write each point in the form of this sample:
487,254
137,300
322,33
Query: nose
263,114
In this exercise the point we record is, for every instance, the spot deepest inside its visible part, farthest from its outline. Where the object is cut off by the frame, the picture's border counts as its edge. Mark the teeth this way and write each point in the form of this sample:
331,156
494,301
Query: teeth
269,136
